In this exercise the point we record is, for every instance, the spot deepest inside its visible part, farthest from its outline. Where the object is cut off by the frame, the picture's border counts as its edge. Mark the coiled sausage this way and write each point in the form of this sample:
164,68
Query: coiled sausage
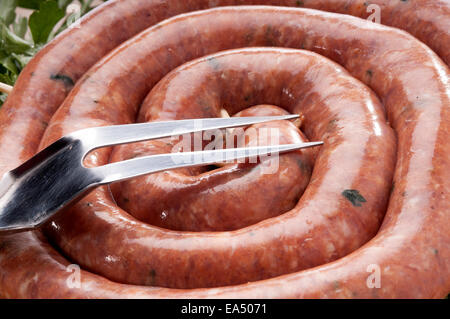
413,238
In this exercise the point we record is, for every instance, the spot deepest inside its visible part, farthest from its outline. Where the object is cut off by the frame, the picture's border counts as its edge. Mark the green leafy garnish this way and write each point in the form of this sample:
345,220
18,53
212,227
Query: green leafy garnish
22,37
30,4
7,11
44,20
354,197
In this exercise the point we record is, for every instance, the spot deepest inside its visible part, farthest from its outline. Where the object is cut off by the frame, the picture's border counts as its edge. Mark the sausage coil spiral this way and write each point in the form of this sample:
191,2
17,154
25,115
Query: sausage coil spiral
375,194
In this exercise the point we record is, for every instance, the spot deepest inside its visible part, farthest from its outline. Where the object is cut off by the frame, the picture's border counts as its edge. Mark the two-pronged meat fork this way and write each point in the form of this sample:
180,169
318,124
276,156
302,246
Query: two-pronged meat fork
55,178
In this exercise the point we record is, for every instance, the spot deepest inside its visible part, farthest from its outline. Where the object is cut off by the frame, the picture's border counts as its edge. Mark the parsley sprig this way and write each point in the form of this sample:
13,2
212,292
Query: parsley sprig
22,37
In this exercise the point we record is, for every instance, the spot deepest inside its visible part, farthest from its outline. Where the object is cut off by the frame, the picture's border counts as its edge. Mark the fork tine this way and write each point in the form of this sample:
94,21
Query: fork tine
130,133
155,163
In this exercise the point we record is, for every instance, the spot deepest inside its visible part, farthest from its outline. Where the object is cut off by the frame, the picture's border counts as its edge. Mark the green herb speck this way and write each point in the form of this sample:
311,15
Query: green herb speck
354,197
336,284
66,80
152,279
214,63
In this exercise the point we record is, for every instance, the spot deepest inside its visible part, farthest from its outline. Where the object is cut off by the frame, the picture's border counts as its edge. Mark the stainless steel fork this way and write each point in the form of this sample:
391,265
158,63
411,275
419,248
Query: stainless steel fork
56,178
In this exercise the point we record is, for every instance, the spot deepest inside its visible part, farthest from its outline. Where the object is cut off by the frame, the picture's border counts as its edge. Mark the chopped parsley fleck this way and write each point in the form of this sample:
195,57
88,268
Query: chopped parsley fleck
354,197
66,80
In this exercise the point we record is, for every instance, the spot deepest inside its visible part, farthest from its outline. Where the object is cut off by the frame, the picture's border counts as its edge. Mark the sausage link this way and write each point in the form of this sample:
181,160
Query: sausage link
411,244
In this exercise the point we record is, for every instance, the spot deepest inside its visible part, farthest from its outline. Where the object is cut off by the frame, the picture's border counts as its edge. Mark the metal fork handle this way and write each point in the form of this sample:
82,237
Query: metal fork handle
31,195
